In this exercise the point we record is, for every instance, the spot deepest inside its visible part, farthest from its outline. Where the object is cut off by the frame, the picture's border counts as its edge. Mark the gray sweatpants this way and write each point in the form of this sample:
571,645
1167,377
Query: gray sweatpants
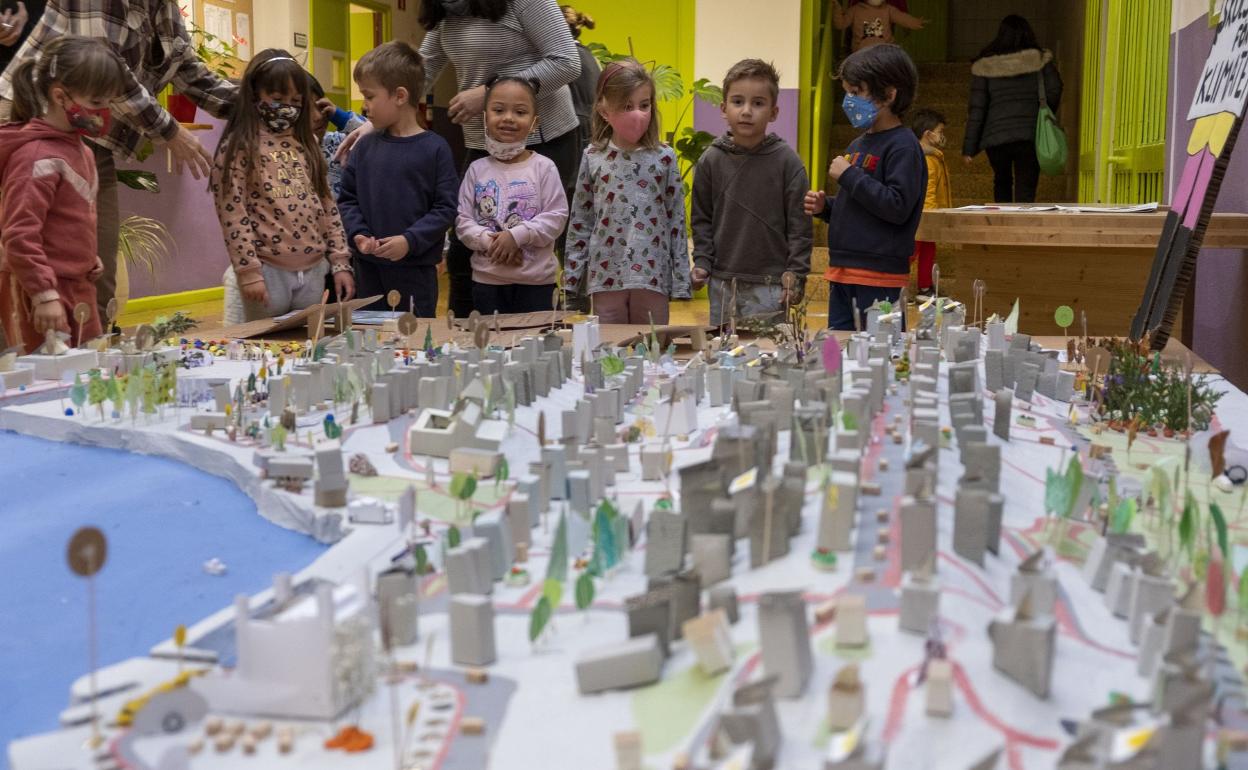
288,290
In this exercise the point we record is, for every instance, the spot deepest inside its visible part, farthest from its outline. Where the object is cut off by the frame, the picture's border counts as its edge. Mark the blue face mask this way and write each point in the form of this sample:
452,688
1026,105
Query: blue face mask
860,110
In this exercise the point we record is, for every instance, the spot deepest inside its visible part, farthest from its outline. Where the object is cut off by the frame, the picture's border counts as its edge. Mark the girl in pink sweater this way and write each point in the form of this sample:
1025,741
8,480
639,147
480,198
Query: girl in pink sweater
512,207
48,188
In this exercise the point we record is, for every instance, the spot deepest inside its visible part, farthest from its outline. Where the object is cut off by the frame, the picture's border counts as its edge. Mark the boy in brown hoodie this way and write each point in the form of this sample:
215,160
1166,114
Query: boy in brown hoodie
749,228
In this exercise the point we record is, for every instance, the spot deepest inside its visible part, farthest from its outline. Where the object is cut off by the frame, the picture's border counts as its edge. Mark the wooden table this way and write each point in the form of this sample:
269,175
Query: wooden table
1096,263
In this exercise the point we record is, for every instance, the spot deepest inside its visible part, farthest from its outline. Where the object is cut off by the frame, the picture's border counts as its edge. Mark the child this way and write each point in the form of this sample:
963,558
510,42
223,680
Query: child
47,222
324,114
399,189
344,121
871,22
511,207
627,246
738,230
882,177
281,227
929,127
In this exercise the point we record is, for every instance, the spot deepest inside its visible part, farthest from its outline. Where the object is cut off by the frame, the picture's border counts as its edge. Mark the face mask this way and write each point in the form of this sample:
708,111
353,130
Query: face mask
629,126
457,7
278,116
86,121
503,151
860,110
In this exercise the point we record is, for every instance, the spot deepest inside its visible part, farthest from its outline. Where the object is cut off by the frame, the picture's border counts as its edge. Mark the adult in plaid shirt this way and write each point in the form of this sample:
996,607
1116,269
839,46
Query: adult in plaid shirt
151,39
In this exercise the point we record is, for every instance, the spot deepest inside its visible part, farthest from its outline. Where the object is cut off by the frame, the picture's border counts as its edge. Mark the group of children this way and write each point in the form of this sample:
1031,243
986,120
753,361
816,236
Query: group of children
627,243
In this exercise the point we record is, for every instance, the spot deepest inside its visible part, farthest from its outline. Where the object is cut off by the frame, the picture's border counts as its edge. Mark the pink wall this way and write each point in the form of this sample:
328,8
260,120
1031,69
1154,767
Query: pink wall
1220,333
707,117
184,205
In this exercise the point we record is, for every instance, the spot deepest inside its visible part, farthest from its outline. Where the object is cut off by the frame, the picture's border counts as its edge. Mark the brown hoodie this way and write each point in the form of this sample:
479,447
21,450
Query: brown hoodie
747,216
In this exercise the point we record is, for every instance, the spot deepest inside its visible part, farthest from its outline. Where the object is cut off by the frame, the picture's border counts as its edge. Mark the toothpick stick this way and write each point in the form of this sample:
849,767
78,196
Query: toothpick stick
320,320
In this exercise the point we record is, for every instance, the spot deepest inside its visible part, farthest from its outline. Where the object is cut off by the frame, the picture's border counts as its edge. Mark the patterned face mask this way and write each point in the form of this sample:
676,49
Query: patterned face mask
88,122
279,117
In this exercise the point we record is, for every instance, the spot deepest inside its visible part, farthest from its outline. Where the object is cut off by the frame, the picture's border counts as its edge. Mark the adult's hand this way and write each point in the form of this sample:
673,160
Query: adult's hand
12,23
466,105
344,149
189,153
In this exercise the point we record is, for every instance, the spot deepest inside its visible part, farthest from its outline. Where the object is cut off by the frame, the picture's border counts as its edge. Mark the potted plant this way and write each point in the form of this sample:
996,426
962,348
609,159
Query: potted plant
216,54
144,243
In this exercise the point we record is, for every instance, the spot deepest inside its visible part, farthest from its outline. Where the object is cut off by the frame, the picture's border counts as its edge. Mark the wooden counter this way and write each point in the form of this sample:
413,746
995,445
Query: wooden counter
1096,263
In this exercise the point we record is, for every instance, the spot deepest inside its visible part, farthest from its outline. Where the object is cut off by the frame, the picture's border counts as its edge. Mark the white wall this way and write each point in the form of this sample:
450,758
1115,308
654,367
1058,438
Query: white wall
275,22
728,31
1184,12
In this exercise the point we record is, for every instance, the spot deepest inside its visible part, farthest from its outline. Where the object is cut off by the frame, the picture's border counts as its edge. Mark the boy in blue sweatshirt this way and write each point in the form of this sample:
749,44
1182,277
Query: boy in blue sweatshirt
883,181
399,191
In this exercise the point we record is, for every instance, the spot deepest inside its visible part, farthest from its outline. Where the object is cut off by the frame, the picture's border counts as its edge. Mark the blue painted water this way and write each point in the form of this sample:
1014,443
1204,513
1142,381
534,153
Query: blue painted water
163,520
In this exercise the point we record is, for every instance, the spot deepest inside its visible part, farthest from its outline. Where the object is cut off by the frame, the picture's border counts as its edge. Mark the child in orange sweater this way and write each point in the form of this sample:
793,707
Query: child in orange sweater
281,225
47,223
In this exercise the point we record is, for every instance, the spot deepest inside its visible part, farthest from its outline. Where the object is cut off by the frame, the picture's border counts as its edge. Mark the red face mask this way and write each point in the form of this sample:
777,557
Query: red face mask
88,122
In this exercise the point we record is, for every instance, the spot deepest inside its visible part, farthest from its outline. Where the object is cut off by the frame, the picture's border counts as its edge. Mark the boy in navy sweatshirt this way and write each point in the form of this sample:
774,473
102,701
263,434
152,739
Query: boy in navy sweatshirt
883,181
399,190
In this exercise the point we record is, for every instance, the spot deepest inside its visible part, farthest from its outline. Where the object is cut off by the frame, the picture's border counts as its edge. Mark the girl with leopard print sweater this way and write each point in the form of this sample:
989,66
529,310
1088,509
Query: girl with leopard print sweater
281,225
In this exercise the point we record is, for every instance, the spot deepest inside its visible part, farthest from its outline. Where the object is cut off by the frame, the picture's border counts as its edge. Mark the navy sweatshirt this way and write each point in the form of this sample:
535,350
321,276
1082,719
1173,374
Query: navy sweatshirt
400,186
873,218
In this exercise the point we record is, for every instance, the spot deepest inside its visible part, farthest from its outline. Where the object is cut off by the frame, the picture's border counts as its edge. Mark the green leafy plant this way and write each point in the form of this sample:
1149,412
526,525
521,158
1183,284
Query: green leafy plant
144,243
171,326
217,53
1139,384
584,591
688,142
539,619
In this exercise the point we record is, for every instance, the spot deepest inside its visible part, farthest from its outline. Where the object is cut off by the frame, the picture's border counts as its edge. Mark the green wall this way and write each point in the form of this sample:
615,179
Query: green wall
661,31
330,31
361,43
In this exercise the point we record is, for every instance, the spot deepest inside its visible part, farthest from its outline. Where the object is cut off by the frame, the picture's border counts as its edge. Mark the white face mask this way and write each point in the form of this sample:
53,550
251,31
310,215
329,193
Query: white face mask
503,151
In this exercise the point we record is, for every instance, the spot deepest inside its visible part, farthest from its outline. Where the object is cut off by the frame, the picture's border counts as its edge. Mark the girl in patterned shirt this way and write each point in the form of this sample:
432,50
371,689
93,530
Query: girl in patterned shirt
281,225
627,247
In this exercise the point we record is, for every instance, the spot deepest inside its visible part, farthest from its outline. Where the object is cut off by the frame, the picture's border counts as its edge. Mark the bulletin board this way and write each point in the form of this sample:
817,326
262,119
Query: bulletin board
227,20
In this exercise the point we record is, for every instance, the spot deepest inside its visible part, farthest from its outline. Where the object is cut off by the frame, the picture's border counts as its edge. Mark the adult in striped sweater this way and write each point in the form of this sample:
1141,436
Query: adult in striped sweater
481,39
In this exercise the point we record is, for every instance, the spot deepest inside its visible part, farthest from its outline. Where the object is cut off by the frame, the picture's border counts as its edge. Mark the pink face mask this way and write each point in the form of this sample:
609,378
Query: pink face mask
629,126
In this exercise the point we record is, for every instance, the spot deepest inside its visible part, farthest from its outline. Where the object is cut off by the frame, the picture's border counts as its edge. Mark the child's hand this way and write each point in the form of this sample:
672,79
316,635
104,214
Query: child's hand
255,292
838,167
96,270
393,248
344,285
503,249
968,160
816,201
699,276
50,315
365,244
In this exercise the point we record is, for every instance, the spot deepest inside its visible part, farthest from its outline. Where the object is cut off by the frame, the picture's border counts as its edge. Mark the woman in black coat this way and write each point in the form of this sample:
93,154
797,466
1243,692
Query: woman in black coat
1004,105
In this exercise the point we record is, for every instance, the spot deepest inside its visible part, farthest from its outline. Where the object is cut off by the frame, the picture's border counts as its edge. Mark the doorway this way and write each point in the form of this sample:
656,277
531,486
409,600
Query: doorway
342,32
368,29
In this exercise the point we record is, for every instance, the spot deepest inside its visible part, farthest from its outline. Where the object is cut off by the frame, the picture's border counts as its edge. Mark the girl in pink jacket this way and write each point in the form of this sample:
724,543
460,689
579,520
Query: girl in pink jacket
48,186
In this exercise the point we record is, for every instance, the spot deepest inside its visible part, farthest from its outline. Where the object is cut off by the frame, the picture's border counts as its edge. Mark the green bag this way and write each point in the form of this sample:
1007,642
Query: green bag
1050,139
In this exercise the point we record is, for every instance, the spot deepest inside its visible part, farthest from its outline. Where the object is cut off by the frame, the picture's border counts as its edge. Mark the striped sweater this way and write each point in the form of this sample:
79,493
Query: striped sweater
532,40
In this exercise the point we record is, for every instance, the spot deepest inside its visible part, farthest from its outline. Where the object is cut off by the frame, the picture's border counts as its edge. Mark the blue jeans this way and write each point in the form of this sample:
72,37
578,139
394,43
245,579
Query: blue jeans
843,296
